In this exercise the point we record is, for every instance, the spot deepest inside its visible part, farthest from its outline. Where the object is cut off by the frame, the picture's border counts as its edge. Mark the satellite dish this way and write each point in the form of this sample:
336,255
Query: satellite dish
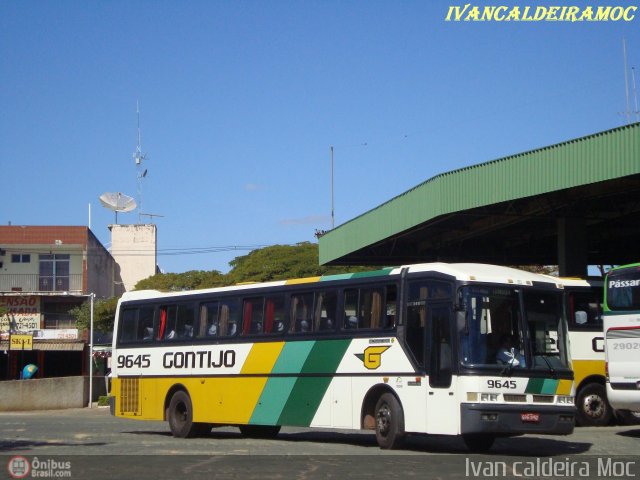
118,202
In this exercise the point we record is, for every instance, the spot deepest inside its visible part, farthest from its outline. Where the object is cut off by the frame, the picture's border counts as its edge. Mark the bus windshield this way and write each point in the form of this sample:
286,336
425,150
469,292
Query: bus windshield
510,328
623,289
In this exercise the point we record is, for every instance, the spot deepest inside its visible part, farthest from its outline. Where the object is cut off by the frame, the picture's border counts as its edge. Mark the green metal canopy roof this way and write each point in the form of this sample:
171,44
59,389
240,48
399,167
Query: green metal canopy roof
506,211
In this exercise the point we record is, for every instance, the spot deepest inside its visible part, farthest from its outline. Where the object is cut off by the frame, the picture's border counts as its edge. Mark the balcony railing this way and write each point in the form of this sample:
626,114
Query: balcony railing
40,283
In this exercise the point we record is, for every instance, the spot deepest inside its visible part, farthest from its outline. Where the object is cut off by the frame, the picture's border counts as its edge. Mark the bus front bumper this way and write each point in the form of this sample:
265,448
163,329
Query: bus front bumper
517,419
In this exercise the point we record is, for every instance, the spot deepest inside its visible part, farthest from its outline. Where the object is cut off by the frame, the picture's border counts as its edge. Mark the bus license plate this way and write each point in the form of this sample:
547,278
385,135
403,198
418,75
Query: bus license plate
530,417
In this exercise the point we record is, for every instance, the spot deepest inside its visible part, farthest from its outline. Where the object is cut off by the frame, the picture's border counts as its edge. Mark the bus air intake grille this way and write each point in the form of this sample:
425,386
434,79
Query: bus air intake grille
510,397
543,399
130,396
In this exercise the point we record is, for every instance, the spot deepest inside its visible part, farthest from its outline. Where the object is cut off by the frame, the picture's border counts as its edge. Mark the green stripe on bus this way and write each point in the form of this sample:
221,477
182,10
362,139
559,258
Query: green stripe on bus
375,273
293,357
277,390
325,356
307,393
534,385
272,401
549,386
339,276
544,386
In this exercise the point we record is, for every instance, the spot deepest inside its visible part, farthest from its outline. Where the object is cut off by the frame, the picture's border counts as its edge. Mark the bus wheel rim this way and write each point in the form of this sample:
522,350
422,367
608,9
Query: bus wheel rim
384,419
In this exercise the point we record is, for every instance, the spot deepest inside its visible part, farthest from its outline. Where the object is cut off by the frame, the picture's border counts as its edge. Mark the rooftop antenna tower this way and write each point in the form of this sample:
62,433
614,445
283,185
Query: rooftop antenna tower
138,156
626,79
635,93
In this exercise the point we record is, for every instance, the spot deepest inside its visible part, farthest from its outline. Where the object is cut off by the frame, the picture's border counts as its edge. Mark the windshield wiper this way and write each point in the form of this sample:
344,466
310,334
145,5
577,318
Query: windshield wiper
508,369
551,369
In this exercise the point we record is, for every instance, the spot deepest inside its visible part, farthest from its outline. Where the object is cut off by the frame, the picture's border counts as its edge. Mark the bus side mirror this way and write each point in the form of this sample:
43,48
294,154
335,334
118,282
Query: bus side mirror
462,322
581,317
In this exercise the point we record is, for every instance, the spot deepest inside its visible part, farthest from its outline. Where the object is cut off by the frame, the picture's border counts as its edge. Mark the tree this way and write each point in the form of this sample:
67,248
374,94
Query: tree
280,262
277,262
175,282
104,312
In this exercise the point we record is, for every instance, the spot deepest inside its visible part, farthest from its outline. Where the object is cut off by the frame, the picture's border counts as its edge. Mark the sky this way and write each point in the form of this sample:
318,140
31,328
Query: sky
241,101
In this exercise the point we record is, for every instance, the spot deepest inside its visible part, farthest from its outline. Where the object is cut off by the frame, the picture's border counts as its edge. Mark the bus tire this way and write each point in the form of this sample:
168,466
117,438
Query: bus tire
593,409
180,416
478,442
259,431
389,422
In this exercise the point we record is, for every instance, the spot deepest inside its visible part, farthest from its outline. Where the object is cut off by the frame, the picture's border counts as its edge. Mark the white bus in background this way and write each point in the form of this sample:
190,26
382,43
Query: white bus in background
622,337
583,308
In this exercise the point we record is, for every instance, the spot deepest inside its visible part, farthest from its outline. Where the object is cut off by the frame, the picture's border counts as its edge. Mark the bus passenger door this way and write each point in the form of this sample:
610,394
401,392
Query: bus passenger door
443,411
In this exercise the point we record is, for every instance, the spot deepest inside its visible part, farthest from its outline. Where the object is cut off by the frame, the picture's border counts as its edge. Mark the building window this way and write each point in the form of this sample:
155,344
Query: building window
20,258
54,272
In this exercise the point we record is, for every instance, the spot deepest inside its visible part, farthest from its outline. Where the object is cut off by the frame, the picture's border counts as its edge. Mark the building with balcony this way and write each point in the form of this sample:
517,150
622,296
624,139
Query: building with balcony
45,271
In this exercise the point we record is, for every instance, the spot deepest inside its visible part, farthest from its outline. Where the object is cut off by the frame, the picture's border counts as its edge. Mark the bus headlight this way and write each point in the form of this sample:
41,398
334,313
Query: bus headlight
565,399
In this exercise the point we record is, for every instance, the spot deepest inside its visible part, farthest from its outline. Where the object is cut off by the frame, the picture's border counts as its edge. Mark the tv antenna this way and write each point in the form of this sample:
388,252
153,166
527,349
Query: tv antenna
118,202
138,157
150,215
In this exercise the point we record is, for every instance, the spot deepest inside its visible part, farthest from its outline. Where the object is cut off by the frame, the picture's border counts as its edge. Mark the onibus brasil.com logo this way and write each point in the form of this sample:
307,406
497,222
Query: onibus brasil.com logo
21,467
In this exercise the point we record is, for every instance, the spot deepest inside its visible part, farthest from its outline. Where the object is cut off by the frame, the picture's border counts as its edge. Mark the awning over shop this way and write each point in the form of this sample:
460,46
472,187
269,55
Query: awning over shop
57,345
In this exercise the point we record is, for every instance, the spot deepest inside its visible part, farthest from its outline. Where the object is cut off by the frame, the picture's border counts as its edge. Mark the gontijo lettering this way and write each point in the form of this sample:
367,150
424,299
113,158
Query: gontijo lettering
201,359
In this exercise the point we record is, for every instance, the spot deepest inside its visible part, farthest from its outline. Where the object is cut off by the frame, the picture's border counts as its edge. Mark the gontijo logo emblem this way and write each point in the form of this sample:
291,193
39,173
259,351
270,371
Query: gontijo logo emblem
372,356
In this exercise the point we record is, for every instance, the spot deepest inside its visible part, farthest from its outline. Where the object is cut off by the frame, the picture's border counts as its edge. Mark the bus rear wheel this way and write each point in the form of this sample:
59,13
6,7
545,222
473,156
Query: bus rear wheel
593,409
389,422
180,416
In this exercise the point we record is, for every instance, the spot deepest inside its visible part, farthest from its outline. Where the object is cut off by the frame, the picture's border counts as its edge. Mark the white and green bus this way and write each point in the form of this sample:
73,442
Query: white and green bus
457,349
622,337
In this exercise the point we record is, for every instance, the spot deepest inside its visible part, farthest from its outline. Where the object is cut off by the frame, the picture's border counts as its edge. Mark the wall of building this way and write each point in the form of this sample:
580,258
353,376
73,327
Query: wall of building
48,393
103,273
133,247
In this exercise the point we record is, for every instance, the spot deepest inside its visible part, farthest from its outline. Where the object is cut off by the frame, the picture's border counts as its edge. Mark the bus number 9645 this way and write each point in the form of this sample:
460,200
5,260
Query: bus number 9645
130,361
501,384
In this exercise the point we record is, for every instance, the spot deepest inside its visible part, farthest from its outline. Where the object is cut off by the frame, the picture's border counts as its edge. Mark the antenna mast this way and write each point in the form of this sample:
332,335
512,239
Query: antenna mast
626,79
635,93
138,156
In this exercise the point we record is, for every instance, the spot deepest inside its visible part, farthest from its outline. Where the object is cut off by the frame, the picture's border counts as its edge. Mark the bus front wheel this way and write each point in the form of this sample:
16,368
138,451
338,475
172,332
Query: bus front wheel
180,416
593,409
389,422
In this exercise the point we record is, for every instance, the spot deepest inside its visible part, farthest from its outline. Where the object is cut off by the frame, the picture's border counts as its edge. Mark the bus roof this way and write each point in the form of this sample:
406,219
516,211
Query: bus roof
470,272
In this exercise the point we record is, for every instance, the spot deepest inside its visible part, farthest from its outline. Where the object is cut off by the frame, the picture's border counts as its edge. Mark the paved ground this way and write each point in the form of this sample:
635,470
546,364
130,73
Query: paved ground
101,446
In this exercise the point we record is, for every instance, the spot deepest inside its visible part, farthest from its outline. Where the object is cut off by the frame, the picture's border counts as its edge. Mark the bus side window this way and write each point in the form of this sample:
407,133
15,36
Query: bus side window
128,326
209,320
229,317
145,324
389,318
185,320
253,316
416,320
301,313
274,315
326,304
351,321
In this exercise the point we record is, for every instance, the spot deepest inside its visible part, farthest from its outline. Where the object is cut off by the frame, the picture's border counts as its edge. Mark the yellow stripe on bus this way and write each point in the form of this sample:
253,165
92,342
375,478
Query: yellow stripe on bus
262,358
297,281
564,387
